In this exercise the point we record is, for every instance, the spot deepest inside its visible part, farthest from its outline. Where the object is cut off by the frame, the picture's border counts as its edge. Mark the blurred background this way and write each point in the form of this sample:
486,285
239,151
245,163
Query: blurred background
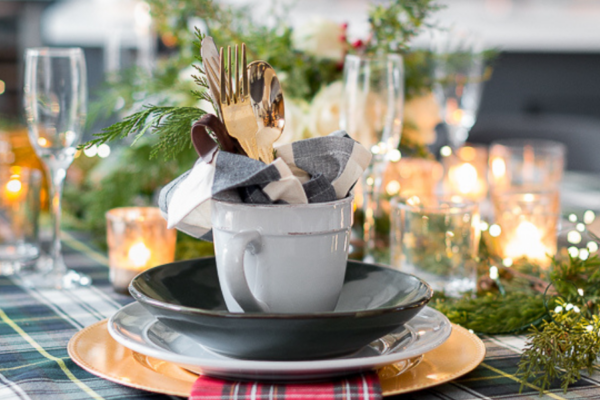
544,82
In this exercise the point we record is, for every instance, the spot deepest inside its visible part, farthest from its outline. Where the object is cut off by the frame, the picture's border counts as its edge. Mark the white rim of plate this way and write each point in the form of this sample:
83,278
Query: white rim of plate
243,365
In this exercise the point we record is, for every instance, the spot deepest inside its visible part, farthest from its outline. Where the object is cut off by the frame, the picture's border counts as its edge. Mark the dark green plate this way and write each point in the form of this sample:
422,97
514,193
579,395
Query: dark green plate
186,297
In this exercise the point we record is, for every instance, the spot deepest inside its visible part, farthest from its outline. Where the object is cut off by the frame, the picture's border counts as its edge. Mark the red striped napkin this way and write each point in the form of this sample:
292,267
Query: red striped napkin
355,387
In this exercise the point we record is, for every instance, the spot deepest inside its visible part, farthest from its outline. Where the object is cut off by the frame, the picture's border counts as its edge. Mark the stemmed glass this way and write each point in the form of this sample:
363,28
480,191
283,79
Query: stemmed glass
55,100
371,113
458,56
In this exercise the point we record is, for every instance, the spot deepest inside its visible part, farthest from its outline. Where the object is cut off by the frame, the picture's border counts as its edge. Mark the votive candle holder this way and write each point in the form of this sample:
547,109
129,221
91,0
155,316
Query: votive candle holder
138,239
465,172
525,164
437,239
526,226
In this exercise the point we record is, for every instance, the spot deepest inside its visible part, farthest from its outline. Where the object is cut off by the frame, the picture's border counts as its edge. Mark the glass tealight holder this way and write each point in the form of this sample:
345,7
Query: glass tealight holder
465,172
526,226
522,164
138,239
412,176
19,211
437,239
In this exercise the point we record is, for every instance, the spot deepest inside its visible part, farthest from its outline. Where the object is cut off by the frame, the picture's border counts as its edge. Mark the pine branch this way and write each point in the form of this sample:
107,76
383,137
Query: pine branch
171,124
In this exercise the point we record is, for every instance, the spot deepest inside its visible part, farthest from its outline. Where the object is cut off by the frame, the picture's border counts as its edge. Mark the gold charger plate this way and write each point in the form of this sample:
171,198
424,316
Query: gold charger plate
94,350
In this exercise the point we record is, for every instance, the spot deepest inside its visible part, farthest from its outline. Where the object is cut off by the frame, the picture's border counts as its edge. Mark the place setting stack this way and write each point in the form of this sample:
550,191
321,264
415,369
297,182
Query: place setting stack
280,311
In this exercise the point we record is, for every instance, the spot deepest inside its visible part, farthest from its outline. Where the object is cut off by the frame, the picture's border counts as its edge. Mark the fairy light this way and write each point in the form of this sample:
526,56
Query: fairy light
574,237
91,151
495,230
103,150
394,155
588,217
392,188
494,272
573,251
446,151
572,217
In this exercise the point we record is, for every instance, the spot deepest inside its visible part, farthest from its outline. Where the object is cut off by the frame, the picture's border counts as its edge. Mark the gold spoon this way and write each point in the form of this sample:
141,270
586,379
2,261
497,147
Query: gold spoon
266,99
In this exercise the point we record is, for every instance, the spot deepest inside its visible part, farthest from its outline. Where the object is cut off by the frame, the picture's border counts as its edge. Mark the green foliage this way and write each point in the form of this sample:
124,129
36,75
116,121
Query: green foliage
569,342
563,322
126,179
561,349
394,24
171,124
491,313
302,75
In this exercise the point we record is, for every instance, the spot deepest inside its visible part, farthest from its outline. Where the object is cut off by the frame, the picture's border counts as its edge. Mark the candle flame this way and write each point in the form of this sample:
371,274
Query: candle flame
139,254
464,178
527,242
498,168
14,185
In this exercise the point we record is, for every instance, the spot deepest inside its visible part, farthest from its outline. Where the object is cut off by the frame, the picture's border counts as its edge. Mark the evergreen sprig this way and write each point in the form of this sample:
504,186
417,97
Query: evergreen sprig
394,24
171,124
560,349
493,313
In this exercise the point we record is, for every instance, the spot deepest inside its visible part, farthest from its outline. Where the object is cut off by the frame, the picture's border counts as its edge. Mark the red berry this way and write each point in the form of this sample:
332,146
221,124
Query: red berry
357,44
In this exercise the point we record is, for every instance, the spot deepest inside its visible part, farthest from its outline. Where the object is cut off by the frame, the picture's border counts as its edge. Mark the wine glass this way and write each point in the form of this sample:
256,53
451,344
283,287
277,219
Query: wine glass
371,113
459,66
55,100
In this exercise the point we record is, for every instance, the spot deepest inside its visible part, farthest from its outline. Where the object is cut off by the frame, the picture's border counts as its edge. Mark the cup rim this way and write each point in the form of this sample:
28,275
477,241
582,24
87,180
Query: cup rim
539,145
345,200
118,213
376,57
53,51
456,207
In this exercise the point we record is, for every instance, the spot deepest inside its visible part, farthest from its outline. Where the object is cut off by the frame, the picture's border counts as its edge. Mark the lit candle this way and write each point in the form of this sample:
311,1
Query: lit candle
527,226
138,239
466,170
527,242
13,189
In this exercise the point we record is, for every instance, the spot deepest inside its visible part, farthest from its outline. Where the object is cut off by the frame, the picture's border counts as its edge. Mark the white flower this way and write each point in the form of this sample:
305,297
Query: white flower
421,115
295,121
324,113
321,38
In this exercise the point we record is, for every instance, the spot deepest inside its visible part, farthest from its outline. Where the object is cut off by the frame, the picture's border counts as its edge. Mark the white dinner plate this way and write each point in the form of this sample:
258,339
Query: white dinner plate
135,328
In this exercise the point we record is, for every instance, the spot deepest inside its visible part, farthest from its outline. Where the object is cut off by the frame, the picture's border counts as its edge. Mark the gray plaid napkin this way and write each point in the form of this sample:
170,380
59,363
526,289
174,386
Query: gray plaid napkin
308,171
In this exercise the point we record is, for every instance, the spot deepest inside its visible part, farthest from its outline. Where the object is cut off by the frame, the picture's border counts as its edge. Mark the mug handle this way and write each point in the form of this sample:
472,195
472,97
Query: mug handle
235,273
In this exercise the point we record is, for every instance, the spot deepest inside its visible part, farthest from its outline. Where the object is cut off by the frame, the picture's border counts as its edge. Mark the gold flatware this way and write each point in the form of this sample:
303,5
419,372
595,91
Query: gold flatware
212,66
266,98
235,102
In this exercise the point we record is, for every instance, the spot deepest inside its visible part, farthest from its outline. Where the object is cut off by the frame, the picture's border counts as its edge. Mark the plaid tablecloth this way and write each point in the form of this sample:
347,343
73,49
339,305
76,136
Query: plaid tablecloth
36,325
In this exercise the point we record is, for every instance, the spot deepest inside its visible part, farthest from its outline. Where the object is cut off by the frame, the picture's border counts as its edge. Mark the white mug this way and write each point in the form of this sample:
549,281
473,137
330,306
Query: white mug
281,258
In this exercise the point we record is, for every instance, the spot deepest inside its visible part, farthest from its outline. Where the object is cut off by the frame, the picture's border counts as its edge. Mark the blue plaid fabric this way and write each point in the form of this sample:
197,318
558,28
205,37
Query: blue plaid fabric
36,325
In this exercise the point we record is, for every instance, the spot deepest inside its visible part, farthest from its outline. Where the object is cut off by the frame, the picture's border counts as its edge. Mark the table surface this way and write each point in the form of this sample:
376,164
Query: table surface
36,325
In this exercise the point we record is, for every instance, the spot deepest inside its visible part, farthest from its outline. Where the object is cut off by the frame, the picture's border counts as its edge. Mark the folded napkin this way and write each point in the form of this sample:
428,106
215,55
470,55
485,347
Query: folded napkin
308,171
356,387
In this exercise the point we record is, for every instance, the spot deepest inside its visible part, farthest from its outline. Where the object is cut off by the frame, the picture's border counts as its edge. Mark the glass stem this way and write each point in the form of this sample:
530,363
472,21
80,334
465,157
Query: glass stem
372,182
57,176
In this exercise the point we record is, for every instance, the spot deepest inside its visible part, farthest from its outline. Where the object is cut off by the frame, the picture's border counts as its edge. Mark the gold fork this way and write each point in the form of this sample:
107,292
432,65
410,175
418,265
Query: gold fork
235,102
